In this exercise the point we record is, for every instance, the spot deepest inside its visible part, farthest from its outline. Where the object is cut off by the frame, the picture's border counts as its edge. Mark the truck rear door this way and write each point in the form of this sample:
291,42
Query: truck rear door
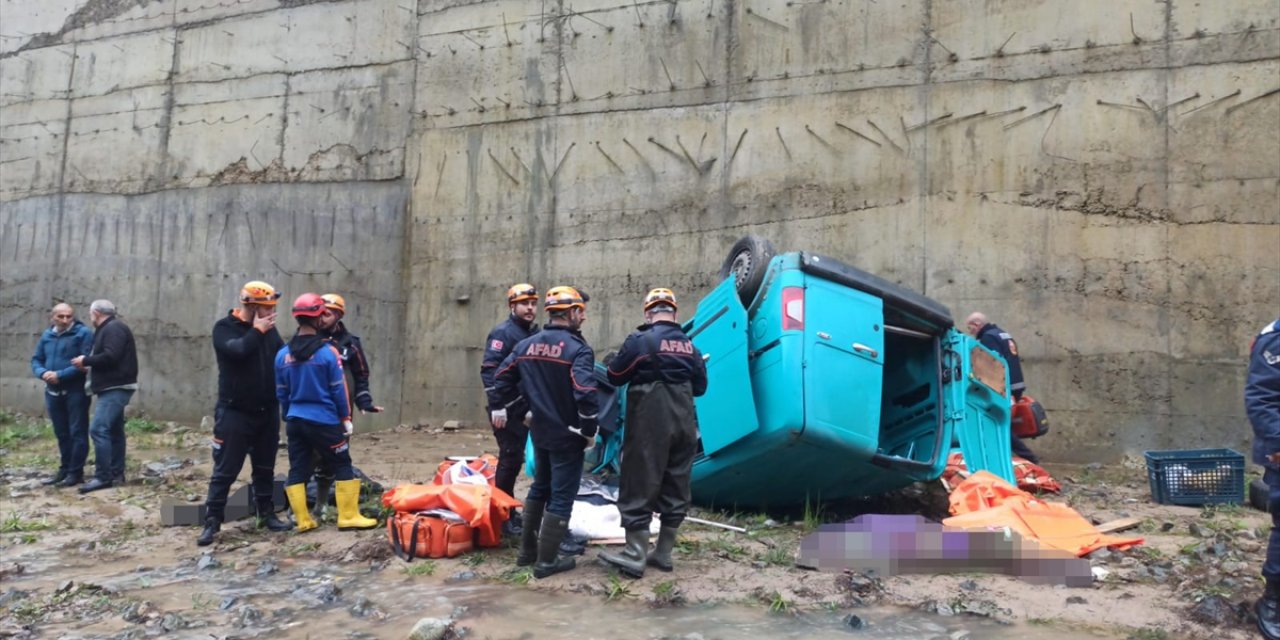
977,402
727,411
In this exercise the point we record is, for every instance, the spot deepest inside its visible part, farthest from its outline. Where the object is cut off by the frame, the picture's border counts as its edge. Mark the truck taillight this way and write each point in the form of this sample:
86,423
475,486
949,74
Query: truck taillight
792,308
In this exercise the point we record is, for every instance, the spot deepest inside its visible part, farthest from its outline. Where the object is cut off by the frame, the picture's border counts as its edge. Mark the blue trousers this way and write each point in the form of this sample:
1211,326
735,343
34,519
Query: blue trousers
1271,568
328,441
107,431
69,414
556,477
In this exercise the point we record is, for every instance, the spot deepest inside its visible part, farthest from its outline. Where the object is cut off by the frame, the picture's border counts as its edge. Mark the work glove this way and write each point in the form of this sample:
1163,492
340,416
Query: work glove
498,417
588,430
348,427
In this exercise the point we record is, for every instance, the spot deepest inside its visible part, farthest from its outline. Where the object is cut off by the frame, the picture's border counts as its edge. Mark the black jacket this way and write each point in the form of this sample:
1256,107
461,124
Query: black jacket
659,352
114,361
354,362
502,339
555,370
998,340
246,365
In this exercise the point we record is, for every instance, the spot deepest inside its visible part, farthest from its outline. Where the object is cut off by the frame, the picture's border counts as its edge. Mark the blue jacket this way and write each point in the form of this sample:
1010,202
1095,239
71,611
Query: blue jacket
310,384
998,340
555,370
659,352
54,353
502,339
1262,394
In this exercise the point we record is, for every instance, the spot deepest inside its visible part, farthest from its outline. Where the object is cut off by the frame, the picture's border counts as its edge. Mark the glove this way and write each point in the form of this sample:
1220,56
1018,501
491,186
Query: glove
348,427
587,430
528,419
498,417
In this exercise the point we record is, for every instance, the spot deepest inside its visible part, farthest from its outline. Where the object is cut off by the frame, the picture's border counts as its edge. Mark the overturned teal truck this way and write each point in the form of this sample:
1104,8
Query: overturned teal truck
826,383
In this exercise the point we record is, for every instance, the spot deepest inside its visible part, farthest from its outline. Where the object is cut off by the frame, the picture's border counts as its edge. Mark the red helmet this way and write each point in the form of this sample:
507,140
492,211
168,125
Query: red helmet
308,305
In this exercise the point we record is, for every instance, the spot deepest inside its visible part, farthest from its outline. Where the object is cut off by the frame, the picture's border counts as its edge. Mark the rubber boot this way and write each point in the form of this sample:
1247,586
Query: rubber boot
632,559
211,528
660,559
550,562
297,494
323,487
529,534
267,519
1268,610
347,493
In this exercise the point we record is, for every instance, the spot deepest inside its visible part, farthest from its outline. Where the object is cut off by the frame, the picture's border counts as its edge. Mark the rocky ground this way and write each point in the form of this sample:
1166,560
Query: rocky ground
102,565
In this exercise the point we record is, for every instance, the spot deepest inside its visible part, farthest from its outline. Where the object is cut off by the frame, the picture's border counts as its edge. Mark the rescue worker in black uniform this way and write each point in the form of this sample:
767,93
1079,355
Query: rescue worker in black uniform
554,370
663,372
522,302
247,416
1262,405
356,364
998,340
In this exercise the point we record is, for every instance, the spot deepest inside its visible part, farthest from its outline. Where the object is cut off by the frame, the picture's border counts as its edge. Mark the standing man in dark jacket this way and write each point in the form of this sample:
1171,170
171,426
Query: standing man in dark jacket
998,340
554,369
64,398
246,420
522,302
663,372
1262,404
113,377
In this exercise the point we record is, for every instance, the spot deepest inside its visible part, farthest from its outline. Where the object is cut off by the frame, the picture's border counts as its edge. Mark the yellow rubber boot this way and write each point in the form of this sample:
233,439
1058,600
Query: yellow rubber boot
347,495
297,494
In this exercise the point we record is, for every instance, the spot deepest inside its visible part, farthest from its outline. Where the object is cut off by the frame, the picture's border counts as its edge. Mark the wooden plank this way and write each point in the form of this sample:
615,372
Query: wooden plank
1119,525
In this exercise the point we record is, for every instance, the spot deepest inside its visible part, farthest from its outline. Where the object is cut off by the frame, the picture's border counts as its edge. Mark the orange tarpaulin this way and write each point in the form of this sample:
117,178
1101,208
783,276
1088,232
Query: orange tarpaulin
984,501
483,507
1028,475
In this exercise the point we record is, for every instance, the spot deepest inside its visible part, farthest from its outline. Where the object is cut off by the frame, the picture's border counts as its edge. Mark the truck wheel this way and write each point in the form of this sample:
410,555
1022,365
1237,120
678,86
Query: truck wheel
746,263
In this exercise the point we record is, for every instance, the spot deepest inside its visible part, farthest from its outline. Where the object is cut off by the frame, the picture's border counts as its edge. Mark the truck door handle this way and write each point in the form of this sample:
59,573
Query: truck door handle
706,357
858,346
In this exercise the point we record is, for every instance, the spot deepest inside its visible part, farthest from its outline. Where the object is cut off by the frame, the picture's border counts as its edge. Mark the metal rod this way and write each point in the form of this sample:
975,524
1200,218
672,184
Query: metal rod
714,524
907,332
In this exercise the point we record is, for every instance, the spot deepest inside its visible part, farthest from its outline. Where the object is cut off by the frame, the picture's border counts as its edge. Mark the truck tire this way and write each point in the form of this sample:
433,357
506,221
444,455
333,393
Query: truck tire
746,263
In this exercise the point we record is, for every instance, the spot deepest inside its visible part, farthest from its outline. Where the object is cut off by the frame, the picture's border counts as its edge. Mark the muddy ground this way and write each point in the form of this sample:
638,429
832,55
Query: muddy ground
102,565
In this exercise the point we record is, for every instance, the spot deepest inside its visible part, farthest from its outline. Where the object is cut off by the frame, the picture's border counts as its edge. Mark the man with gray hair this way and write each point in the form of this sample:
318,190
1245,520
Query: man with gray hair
113,377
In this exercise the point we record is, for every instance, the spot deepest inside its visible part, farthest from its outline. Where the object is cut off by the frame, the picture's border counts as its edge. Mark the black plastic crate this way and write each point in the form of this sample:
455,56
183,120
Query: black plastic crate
1196,476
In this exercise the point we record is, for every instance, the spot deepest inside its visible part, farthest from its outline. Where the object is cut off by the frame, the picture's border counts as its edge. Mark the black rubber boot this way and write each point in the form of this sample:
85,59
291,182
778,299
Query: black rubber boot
529,533
323,489
1268,610
660,559
211,528
57,478
550,562
632,559
267,519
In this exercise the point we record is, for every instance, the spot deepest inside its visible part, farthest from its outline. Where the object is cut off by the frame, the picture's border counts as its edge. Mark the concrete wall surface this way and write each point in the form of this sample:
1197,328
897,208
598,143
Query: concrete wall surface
1101,177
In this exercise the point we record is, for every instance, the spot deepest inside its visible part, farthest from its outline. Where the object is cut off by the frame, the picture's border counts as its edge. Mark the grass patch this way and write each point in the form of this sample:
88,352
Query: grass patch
517,575
15,432
667,594
777,556
139,426
202,601
617,589
299,548
779,604
812,514
726,546
16,521
420,568
1149,633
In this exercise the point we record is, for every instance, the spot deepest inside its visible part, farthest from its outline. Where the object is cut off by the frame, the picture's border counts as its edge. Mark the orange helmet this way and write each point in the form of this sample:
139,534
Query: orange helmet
335,302
660,296
522,291
259,292
563,299
308,305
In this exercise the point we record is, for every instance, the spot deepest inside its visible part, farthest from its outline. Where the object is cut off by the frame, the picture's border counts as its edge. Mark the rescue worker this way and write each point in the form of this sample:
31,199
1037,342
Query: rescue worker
65,400
355,363
998,340
522,304
663,372
312,391
1262,404
555,370
246,419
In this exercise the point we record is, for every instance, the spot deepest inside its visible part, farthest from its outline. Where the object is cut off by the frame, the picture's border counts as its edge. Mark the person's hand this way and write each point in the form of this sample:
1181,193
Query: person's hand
50,377
371,409
348,427
498,418
264,323
78,362
587,431
1274,458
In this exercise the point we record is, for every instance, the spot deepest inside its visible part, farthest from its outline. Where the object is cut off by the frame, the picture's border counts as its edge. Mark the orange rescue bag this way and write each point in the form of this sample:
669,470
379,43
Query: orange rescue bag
418,535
